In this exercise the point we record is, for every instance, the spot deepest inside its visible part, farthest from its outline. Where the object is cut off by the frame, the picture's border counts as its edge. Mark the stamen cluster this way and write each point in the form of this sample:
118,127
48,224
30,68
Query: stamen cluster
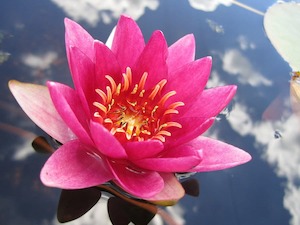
134,114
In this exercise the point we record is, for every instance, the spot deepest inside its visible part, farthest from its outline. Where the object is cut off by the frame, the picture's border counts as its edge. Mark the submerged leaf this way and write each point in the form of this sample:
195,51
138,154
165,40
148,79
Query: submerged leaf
41,145
191,187
122,212
75,203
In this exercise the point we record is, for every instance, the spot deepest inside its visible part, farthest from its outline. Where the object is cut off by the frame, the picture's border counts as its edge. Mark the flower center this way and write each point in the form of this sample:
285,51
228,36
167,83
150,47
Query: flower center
134,114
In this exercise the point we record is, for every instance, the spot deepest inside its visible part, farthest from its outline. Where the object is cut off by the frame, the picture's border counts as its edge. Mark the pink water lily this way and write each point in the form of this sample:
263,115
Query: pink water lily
134,116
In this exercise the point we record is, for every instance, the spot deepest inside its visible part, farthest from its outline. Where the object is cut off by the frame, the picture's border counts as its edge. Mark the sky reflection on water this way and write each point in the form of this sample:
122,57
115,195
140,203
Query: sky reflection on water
264,191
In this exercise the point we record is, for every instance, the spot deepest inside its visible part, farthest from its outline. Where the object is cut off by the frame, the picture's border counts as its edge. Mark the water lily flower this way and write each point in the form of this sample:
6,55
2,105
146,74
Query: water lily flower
135,115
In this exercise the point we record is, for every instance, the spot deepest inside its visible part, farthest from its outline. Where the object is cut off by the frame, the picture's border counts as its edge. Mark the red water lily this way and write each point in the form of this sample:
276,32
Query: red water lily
135,115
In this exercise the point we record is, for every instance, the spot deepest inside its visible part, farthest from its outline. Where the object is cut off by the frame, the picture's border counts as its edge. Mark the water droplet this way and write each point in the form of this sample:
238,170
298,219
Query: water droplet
181,176
277,134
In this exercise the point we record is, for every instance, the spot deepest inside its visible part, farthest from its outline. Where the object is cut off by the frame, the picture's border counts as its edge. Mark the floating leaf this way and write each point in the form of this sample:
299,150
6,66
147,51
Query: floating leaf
282,25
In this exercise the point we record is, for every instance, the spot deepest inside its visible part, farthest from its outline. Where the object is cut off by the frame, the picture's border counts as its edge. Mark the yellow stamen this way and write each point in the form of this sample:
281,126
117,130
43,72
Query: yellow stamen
112,83
175,105
108,94
133,112
100,106
166,97
143,80
154,92
135,89
102,95
170,111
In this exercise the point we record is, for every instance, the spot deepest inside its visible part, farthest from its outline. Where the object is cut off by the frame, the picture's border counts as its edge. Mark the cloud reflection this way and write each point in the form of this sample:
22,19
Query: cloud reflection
209,5
282,153
235,63
39,61
93,11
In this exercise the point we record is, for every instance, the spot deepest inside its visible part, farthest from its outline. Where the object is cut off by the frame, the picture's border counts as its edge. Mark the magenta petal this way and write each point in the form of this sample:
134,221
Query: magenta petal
177,159
66,103
153,61
35,100
210,103
106,143
73,166
82,69
137,182
77,36
192,127
143,149
189,80
171,193
218,155
105,64
181,52
197,118
128,42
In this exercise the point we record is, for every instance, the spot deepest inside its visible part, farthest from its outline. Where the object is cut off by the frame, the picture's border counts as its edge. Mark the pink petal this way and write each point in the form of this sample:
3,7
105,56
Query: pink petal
153,61
189,80
171,193
218,155
74,166
192,127
65,100
128,42
105,64
83,74
210,103
137,182
176,159
77,36
143,149
199,116
36,102
181,52
106,143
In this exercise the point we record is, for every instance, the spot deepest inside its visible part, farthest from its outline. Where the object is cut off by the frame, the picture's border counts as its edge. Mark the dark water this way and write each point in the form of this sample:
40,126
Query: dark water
264,191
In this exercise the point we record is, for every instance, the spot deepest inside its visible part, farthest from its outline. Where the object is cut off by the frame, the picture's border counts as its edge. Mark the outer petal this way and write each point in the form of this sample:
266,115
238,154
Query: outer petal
177,159
137,182
128,42
210,103
106,143
153,61
218,155
77,36
66,103
172,192
189,80
143,149
73,166
35,100
181,52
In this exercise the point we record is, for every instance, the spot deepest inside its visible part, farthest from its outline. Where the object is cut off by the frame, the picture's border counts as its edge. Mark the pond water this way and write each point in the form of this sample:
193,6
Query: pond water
259,120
